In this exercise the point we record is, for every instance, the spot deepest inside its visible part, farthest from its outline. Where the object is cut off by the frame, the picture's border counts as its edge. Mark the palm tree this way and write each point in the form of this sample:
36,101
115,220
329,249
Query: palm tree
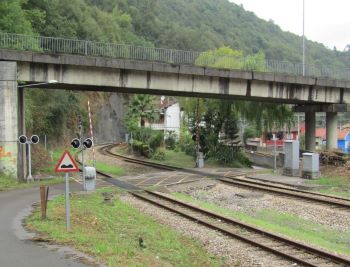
142,107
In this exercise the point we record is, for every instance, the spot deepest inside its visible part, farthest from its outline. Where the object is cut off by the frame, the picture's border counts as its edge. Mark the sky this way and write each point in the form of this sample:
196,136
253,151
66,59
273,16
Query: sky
326,21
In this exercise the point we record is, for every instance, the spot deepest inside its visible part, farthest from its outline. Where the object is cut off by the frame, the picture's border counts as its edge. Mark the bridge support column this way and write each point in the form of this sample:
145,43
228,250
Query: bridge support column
331,130
21,160
310,130
8,118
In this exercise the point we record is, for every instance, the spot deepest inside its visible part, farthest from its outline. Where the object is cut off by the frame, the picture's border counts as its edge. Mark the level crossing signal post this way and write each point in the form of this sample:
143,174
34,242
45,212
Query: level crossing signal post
78,144
34,139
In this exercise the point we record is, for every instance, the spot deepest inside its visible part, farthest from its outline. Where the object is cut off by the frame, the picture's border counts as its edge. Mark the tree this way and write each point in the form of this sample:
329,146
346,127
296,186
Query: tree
13,18
141,107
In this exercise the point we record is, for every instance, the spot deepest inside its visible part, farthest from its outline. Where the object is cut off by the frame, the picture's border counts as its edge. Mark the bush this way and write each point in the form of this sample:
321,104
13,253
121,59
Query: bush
170,140
187,145
40,158
155,140
229,155
146,151
159,155
146,141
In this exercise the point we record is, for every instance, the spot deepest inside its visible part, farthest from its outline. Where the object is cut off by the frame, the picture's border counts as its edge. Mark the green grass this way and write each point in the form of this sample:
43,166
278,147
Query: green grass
286,224
111,233
8,183
335,185
177,159
113,170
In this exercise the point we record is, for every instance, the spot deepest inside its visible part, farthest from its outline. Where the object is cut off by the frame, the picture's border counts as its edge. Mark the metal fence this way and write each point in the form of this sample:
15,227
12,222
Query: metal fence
122,51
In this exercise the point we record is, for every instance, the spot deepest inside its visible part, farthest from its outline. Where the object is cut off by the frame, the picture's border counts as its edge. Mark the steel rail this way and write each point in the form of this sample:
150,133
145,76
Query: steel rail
234,177
325,199
316,253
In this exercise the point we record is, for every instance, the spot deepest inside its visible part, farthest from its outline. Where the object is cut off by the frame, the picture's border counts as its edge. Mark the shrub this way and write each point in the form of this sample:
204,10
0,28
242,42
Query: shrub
146,151
155,140
170,140
229,155
40,158
159,155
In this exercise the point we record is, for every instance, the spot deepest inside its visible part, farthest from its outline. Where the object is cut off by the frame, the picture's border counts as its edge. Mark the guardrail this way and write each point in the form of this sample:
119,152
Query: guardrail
123,51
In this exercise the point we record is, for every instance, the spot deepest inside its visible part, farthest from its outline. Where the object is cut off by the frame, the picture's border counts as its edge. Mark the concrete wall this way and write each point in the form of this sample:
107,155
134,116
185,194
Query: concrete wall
265,160
8,118
172,118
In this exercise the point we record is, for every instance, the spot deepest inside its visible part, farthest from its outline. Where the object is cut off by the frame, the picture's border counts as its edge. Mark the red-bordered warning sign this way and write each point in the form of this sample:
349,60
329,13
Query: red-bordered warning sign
66,163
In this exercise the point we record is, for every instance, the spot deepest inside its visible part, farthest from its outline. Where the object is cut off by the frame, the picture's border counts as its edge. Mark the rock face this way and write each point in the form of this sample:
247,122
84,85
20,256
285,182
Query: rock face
108,124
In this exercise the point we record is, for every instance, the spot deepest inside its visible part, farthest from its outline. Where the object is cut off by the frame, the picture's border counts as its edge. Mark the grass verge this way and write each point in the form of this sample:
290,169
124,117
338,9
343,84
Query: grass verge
111,232
335,185
286,224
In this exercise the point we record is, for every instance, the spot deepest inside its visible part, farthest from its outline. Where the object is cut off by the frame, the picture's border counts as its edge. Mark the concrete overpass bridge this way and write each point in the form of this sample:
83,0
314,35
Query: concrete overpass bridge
83,65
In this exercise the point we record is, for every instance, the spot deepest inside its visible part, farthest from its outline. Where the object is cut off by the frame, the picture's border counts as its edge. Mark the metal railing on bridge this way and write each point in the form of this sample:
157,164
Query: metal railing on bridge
123,51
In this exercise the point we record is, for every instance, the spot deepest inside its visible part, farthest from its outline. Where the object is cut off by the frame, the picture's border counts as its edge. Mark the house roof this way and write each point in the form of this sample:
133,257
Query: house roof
321,133
342,134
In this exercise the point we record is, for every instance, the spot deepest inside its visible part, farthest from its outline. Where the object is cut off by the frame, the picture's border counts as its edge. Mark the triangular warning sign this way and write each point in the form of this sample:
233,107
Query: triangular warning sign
66,163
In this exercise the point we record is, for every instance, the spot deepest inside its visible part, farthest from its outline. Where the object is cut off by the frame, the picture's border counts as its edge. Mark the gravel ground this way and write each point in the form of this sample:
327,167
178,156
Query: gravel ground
250,202
235,252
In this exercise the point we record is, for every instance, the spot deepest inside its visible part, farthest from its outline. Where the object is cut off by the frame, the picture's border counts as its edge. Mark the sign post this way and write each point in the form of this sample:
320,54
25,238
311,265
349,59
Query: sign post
67,203
67,164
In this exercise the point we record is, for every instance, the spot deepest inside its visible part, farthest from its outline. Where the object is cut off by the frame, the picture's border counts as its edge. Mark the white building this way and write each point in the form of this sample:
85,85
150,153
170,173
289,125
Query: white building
170,119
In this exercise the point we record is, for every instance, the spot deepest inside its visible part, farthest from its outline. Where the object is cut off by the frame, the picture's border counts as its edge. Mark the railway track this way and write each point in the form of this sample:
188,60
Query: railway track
233,180
286,248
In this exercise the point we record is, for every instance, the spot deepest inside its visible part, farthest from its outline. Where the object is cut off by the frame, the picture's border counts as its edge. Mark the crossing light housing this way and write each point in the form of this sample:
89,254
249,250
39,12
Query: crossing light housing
22,139
34,139
87,143
75,143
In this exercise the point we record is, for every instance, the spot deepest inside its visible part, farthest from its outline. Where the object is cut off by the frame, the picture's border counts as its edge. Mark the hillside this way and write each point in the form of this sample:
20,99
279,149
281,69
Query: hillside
181,24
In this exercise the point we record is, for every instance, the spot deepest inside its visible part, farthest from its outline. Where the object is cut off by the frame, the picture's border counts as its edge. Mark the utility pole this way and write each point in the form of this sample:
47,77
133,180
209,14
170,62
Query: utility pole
304,38
197,135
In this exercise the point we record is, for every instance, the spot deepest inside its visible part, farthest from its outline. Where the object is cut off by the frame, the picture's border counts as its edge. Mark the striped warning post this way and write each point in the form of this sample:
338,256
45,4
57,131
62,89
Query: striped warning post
91,135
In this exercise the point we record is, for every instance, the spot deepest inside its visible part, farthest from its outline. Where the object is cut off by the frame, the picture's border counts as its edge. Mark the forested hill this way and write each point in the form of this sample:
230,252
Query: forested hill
182,24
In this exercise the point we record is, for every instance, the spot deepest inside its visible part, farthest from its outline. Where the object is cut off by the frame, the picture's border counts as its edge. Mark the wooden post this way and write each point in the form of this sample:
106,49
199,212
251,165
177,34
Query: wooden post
44,193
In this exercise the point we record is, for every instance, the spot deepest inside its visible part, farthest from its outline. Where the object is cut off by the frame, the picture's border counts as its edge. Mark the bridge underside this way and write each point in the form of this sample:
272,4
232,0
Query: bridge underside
240,87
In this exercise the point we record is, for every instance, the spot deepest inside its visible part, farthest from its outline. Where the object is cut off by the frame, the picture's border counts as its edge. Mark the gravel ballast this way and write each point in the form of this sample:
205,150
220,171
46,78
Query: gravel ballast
250,202
235,252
